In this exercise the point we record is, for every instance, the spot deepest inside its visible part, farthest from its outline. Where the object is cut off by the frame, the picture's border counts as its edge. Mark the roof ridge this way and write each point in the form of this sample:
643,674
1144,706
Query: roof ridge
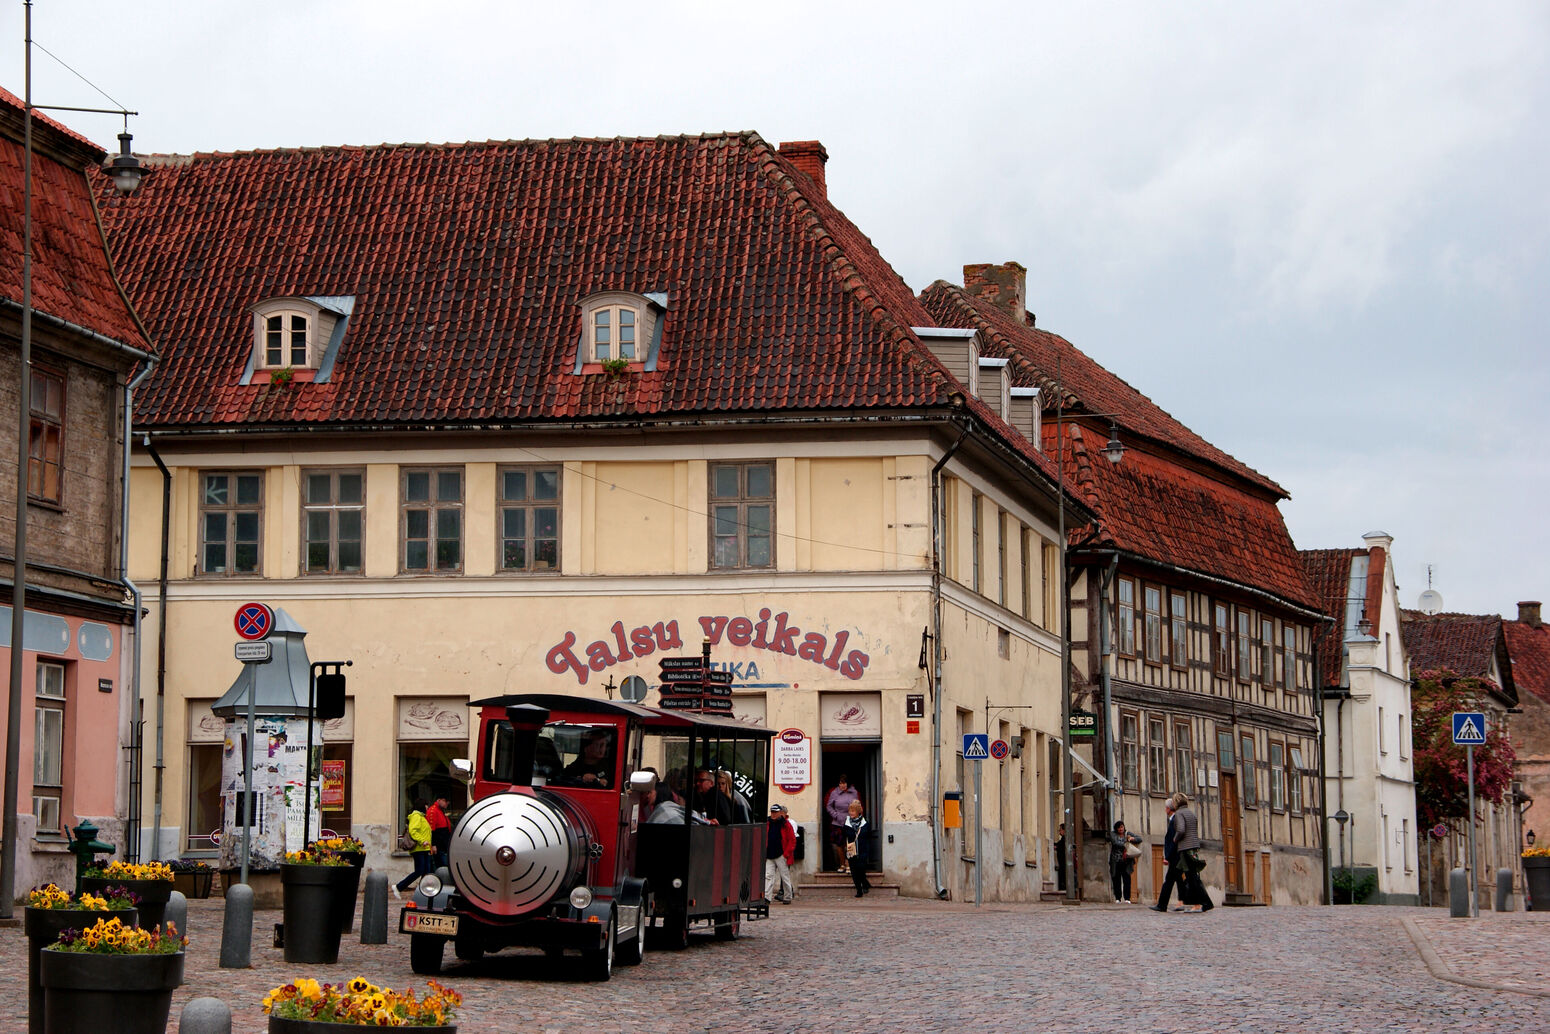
452,145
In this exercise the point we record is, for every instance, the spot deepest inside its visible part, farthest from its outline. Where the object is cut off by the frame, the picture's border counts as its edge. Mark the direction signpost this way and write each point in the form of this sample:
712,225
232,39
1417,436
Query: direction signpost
689,684
1469,732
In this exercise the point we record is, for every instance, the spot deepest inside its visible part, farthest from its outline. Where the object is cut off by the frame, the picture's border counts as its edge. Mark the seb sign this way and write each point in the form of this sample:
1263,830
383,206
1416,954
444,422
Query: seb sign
769,631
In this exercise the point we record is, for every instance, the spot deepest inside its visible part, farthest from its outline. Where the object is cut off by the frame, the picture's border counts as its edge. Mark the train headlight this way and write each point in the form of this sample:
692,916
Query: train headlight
580,898
430,885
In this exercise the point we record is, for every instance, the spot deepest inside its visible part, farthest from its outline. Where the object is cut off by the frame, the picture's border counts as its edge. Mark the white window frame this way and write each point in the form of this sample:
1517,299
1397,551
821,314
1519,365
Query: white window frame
287,311
48,786
611,311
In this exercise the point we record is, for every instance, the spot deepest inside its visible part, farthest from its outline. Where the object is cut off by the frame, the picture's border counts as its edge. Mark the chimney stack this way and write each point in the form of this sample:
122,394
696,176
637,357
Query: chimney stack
1005,286
1528,613
809,156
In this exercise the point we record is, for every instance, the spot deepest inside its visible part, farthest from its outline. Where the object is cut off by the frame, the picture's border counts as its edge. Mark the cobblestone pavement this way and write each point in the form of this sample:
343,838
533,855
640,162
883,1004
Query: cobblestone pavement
922,966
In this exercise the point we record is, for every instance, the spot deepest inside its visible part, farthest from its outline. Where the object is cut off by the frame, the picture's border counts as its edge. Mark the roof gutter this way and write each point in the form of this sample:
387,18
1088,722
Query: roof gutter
1280,601
138,354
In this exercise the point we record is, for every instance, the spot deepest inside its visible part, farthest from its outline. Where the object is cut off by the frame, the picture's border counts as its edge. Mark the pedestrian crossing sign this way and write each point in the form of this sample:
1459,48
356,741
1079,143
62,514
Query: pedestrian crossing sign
1468,728
976,746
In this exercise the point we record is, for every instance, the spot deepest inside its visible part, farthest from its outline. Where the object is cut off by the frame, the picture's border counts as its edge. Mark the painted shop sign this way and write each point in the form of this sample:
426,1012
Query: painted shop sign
771,631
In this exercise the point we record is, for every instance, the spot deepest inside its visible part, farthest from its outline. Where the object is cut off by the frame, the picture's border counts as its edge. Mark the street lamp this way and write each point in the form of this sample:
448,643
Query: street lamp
126,173
1531,838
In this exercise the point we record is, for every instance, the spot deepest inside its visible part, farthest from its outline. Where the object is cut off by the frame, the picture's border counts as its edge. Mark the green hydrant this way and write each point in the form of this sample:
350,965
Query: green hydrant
86,847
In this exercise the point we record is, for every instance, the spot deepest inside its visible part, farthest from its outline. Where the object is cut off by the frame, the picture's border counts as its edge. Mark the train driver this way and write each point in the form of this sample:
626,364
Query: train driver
594,766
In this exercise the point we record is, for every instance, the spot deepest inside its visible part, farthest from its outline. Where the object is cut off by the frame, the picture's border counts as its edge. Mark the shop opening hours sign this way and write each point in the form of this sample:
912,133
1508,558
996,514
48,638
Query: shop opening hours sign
791,765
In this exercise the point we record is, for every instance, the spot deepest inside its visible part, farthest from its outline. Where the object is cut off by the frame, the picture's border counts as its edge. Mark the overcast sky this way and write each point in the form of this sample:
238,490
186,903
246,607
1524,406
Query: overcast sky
1317,233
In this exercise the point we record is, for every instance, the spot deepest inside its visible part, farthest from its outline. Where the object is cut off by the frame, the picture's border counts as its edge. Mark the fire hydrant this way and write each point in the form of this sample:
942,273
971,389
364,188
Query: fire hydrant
86,847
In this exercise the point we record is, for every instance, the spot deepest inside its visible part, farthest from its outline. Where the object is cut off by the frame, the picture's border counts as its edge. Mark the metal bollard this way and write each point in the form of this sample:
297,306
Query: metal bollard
374,907
237,928
1458,894
205,1016
177,912
1504,890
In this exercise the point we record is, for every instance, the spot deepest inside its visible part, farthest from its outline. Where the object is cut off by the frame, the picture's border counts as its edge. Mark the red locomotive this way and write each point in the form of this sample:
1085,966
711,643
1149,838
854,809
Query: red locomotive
594,822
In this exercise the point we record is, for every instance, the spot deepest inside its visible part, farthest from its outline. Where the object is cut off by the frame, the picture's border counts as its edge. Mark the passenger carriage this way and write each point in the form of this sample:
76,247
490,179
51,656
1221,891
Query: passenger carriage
588,833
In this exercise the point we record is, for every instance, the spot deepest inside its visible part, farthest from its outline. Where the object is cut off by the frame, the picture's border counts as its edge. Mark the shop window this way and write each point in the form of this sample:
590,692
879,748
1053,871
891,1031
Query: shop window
202,831
231,522
530,518
336,783
432,520
45,436
432,731
333,521
48,751
1178,639
742,515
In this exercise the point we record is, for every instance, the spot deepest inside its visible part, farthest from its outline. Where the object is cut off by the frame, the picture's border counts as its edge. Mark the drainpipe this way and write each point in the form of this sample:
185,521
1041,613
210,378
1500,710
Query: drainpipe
132,810
1340,769
1329,889
161,634
1104,646
936,674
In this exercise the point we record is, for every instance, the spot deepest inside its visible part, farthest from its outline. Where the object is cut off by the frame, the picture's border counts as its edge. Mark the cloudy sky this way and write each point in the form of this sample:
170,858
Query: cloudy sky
1317,233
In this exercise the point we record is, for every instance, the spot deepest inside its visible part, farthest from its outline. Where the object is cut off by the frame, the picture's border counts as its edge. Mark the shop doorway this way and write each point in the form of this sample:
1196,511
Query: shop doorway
862,765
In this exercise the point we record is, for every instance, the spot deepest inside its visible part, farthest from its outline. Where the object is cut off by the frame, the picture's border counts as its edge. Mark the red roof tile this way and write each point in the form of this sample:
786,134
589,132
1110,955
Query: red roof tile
1175,499
468,262
71,277
1464,644
1529,648
1329,573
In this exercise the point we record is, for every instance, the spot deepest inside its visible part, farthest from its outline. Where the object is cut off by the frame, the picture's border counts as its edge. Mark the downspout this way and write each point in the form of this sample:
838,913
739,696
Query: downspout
1104,648
1329,890
161,630
936,674
132,807
1340,771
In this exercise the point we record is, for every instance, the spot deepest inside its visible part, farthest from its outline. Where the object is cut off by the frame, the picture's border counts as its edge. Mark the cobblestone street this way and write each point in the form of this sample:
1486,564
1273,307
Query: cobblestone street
921,966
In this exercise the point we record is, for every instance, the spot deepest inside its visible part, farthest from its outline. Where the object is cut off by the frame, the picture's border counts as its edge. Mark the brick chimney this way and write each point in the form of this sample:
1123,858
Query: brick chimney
809,156
1005,286
1528,613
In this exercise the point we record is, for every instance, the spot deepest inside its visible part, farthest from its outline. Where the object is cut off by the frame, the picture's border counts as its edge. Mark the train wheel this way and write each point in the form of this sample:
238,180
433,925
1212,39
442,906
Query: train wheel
468,946
425,953
729,925
599,962
633,952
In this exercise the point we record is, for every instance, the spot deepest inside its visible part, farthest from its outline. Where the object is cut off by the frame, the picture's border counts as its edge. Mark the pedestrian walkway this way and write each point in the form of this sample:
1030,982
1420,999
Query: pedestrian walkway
1498,950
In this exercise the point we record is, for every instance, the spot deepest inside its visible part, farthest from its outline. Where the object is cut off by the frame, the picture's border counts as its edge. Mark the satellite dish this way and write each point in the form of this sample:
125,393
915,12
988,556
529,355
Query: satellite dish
1430,602
633,689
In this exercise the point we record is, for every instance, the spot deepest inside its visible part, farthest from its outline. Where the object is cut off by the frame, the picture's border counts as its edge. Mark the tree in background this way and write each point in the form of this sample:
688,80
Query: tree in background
1441,776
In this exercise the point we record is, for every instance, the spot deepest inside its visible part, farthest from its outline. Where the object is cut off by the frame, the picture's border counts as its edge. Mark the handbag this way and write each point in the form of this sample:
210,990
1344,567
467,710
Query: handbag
1132,850
405,841
850,849
1193,863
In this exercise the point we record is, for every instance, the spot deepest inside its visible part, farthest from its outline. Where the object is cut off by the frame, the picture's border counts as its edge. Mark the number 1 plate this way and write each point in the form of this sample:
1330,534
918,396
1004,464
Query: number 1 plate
414,921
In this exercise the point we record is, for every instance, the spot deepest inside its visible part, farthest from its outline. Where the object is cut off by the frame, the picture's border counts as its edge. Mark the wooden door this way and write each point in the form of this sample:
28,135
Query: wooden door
1231,839
1159,869
1264,876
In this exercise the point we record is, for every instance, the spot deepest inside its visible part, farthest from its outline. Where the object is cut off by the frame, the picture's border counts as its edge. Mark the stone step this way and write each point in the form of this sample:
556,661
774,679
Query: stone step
827,885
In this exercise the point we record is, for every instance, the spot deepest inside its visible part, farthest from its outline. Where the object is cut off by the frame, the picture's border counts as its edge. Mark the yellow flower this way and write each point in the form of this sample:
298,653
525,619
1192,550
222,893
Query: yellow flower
359,985
378,1002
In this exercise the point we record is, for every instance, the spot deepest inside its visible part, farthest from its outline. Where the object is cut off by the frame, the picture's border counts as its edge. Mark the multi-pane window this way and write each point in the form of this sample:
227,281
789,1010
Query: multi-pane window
1224,753
1267,648
333,518
1157,753
1183,758
1245,645
1152,598
613,333
1222,640
976,508
1052,597
1025,541
1250,779
1277,777
1125,618
230,522
48,753
432,519
45,436
1289,653
1001,558
742,516
285,339
1294,779
1178,639
1129,751
530,518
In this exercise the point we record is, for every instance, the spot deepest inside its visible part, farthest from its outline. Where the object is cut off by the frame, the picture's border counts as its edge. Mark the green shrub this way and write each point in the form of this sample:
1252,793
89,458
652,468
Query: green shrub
1353,885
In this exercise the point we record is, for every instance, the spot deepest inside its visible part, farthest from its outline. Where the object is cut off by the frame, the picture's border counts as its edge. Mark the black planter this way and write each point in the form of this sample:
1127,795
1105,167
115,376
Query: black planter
345,902
43,926
153,896
85,993
195,884
283,1026
1536,875
312,915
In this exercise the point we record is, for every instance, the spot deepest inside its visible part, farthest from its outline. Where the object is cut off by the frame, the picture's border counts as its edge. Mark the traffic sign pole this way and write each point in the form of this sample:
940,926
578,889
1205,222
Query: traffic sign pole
1474,896
979,828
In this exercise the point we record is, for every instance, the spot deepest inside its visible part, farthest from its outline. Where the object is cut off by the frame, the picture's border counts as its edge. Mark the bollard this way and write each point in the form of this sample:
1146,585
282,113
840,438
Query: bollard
374,909
205,1016
1458,894
177,912
1504,890
237,928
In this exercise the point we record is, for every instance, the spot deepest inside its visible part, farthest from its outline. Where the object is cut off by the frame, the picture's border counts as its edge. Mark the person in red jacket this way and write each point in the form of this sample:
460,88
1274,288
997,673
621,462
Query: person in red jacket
778,856
441,831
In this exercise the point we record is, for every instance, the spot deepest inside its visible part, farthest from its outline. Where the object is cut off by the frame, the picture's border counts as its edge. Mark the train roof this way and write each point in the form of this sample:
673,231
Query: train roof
652,717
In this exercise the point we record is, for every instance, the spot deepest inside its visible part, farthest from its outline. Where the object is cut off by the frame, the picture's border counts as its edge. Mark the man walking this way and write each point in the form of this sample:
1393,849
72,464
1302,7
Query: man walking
1171,857
778,855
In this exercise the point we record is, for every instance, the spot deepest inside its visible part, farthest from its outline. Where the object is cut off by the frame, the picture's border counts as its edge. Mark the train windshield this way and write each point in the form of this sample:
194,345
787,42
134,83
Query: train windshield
582,756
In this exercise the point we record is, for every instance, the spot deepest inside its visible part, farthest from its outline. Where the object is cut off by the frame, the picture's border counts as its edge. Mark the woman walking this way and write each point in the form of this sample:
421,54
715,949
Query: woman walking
857,838
1121,862
419,832
837,804
1187,840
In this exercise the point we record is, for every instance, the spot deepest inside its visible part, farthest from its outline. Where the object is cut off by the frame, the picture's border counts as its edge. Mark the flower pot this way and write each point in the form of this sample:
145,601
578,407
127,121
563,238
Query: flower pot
277,1025
312,915
345,902
194,884
1536,876
87,993
153,896
43,926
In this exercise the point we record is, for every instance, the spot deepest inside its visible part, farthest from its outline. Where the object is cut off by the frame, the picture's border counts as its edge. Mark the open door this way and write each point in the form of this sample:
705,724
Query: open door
862,763
1232,847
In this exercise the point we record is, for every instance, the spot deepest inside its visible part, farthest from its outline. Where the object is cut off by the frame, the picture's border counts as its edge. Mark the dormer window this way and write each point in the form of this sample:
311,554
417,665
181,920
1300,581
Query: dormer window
613,333
619,327
290,334
285,339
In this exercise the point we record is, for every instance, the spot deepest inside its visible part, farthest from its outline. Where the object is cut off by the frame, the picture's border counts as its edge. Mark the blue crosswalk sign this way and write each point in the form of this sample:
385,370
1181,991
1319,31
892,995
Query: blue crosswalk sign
976,746
1468,728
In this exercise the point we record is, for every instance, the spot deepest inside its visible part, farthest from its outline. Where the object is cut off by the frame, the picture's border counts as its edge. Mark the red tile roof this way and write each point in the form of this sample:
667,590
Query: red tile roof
468,262
1329,573
1175,499
1465,644
71,277
1529,648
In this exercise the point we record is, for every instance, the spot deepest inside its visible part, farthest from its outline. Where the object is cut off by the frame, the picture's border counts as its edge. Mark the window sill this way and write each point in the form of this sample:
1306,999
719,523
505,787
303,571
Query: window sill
299,375
634,366
46,504
51,843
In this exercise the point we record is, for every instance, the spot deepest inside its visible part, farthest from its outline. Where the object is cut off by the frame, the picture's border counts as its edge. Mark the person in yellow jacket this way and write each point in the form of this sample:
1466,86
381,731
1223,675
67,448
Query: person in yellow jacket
420,833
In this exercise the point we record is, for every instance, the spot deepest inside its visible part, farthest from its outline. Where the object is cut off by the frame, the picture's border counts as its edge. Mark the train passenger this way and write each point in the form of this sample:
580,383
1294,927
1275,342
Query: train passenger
741,812
710,802
594,767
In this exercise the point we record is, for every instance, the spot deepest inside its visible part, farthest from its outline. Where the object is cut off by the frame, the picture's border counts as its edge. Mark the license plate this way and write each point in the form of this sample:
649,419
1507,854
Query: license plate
414,921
